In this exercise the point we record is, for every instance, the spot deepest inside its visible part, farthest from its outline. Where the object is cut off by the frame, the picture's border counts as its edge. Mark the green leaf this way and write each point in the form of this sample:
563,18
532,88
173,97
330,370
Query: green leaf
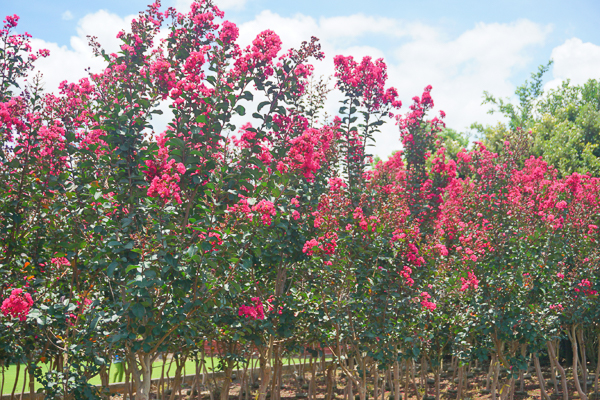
138,310
111,268
240,110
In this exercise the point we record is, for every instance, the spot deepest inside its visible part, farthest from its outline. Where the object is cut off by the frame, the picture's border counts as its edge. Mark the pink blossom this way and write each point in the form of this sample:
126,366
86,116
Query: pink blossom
17,305
471,281
253,312
267,211
366,80
309,246
426,303
229,32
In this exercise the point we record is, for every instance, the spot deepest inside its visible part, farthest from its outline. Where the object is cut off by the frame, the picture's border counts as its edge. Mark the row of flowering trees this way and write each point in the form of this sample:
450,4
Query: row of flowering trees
267,231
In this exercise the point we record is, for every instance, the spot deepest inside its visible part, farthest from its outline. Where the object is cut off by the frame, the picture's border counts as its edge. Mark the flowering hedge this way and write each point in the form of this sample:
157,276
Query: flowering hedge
276,234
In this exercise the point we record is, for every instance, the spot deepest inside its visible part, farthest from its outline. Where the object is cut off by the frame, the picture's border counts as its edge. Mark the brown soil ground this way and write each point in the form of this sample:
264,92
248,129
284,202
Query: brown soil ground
293,389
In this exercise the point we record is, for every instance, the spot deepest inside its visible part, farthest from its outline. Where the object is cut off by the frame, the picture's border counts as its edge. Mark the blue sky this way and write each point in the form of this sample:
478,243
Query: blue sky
460,47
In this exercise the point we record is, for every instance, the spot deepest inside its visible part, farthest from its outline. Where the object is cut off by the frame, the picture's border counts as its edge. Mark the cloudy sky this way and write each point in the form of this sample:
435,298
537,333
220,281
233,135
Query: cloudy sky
461,47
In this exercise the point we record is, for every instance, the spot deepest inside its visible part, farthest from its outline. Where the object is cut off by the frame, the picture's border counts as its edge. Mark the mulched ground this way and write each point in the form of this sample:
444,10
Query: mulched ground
293,389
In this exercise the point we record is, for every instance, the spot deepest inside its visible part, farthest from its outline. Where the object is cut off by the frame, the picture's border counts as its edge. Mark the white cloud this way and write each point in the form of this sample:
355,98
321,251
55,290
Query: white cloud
575,60
483,58
67,15
69,62
459,69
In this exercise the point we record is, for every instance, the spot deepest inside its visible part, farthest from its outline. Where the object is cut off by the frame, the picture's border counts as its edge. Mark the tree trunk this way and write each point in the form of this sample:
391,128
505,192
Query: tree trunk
14,389
414,379
330,382
312,382
383,383
227,380
573,337
556,363
406,380
460,381
265,370
540,376
176,382
375,382
496,367
437,383
490,373
584,371
31,382
396,381
142,376
597,371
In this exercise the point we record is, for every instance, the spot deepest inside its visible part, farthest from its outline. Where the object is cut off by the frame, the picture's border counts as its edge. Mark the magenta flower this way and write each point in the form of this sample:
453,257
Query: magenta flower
17,305
253,312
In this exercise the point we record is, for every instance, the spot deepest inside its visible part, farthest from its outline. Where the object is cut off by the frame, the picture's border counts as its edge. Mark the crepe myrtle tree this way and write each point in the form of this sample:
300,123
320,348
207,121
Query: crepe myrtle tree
154,227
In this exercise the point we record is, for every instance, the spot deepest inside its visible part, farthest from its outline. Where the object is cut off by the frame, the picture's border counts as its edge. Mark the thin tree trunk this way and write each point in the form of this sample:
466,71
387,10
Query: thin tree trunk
14,389
553,373
491,368
312,382
573,336
375,382
176,381
25,382
142,376
3,377
563,378
597,371
383,383
540,376
437,382
31,382
406,380
330,382
226,380
494,389
583,358
265,370
396,380
243,381
459,385
454,367
196,378
414,379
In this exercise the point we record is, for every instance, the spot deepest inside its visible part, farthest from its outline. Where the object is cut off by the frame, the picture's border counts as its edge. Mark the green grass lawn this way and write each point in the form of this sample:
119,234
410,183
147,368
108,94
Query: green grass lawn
190,368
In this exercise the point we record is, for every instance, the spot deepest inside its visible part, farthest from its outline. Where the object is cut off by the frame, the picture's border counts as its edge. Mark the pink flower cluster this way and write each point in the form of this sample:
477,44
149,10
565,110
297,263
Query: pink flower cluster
253,312
164,174
60,261
229,32
326,244
584,286
17,305
426,303
470,282
366,80
406,274
11,114
260,55
267,211
308,150
164,77
248,138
